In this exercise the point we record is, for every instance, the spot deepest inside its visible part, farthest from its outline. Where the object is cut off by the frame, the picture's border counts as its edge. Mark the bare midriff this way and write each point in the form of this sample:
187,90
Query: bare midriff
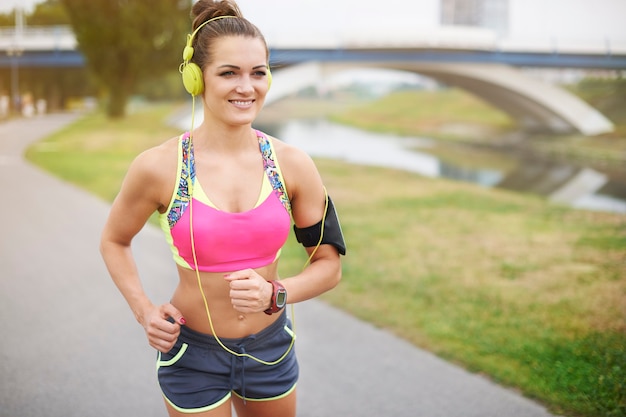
227,322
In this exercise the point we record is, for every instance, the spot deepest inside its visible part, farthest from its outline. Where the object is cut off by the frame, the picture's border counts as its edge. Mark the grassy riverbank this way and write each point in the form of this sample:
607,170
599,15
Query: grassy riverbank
530,294
456,116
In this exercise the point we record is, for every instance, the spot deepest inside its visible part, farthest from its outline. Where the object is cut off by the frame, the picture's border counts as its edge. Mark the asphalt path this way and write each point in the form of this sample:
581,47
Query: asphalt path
70,346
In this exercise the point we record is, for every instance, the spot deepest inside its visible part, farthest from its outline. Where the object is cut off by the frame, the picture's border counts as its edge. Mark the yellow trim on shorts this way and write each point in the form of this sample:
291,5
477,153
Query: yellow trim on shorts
197,410
172,361
292,389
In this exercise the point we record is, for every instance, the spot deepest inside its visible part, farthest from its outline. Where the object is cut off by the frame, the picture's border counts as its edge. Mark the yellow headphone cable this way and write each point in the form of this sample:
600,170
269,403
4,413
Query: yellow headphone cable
195,260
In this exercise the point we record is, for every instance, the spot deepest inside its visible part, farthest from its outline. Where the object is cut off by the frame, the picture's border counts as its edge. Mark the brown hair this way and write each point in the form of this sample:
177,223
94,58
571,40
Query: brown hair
204,10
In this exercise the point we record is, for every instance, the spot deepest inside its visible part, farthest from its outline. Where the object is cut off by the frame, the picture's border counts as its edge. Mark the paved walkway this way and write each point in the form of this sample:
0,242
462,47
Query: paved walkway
70,346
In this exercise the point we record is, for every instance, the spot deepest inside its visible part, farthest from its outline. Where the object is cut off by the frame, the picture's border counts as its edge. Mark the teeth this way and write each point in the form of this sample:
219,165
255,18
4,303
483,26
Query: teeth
241,103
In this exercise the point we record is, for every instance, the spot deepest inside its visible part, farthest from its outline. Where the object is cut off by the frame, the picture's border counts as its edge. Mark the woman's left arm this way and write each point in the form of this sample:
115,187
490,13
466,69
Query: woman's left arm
308,202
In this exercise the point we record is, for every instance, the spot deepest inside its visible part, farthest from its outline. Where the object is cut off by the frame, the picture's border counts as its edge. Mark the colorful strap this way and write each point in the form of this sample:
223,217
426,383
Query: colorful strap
272,171
188,176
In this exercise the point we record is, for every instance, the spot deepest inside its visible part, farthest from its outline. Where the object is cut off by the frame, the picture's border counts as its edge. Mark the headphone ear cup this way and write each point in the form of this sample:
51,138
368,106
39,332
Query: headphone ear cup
192,79
269,78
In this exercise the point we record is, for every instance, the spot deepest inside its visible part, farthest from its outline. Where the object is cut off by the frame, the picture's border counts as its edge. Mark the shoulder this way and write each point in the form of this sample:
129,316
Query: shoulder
156,160
145,189
303,182
152,174
292,160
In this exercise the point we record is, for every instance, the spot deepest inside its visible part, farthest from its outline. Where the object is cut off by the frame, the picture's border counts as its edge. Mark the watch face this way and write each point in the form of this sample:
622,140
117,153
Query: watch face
281,298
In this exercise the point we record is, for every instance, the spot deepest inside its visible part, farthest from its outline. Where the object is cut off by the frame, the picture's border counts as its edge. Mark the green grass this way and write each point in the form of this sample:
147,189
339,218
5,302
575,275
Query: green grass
95,152
445,114
531,294
606,95
457,116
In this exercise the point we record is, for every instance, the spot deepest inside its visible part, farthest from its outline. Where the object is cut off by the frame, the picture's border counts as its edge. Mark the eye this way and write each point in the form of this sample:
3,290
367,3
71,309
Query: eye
227,74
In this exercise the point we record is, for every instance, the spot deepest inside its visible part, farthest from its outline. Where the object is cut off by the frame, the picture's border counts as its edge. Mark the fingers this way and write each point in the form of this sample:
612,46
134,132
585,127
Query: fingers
249,292
168,310
162,333
242,275
246,279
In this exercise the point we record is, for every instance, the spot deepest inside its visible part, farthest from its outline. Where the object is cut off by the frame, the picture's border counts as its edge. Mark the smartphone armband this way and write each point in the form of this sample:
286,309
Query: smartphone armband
332,234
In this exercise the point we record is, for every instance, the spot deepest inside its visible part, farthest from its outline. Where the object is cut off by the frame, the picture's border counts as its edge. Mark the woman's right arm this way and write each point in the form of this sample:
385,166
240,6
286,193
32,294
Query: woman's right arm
140,195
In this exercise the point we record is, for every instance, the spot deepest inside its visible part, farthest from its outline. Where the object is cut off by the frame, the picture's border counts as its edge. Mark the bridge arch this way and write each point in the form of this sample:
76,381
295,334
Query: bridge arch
477,67
536,106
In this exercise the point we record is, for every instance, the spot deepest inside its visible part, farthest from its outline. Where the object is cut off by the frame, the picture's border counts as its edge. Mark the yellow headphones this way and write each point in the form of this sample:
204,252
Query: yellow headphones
191,72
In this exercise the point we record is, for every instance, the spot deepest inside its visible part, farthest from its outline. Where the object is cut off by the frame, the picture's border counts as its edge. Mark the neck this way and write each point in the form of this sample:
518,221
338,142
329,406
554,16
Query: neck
221,137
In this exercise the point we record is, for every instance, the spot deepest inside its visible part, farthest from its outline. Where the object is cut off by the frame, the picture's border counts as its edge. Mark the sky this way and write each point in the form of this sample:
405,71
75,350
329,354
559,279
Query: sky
574,19
8,5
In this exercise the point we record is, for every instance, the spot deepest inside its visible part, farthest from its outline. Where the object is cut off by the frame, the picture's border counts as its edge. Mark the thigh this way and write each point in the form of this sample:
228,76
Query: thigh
223,410
282,407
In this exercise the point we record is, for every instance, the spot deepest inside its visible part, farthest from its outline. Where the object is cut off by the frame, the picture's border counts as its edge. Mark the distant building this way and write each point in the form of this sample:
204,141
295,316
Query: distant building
488,14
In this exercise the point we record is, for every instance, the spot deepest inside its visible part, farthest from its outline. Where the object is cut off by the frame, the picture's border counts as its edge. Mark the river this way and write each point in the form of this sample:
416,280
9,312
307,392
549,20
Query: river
579,187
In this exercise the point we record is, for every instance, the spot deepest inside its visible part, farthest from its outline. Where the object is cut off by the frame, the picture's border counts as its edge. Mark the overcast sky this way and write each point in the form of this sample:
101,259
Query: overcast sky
8,5
565,18
574,19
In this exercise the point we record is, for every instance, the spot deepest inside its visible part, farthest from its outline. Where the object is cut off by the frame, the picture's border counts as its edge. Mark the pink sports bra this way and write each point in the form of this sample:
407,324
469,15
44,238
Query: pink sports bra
224,241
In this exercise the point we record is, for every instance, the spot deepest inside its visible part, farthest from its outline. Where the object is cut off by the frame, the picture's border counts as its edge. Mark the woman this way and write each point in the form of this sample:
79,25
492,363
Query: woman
224,339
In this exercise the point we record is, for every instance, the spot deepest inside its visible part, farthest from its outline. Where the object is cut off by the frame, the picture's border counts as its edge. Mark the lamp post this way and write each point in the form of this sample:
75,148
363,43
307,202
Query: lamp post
15,52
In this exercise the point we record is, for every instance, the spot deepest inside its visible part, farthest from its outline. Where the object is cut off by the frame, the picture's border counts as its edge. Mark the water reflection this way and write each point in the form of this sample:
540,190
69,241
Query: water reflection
562,183
325,139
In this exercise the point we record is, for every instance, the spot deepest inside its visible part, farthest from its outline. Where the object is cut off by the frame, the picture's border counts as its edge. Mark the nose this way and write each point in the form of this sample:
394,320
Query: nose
244,85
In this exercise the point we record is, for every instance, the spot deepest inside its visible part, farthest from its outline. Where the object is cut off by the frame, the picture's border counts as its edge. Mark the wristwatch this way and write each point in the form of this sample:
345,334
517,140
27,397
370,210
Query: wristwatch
279,298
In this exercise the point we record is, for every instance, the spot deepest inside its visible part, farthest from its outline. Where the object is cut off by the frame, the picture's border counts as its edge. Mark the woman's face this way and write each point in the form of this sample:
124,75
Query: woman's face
236,80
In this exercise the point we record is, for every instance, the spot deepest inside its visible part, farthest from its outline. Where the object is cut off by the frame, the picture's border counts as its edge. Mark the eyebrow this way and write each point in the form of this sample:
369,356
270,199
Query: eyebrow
238,68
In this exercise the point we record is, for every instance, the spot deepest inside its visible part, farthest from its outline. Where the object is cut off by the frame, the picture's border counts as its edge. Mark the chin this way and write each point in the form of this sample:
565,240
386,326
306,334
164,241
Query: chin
244,119
239,121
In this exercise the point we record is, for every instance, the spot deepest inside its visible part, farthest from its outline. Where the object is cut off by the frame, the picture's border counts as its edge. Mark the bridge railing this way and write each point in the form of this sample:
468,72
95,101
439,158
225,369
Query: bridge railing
442,38
46,38
37,38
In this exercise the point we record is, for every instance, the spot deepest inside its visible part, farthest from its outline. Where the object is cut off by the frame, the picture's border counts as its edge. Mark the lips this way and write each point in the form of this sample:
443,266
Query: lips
242,103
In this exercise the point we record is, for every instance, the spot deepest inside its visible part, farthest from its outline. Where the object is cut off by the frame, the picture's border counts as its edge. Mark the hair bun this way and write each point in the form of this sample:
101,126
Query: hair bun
204,10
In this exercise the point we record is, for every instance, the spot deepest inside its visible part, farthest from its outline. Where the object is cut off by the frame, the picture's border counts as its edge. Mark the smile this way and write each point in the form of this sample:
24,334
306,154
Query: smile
242,103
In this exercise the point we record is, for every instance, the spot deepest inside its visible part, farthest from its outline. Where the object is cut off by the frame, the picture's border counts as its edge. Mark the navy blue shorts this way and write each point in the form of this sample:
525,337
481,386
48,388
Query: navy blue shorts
199,375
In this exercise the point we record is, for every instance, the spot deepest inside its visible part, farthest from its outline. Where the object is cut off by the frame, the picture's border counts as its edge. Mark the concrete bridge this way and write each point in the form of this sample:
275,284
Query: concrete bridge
473,59
536,106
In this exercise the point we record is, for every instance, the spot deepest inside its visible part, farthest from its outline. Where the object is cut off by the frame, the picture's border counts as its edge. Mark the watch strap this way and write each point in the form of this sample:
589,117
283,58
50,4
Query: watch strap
276,288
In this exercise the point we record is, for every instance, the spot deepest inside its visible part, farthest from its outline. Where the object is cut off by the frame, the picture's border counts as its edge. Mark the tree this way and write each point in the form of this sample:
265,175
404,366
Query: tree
49,13
7,19
125,41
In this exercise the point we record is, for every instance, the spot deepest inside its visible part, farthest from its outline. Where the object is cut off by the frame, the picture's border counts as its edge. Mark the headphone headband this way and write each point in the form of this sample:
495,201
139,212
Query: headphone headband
209,21
188,51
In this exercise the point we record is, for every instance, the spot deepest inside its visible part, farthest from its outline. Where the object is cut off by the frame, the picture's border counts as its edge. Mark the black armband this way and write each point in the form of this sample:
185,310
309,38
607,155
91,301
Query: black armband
332,234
